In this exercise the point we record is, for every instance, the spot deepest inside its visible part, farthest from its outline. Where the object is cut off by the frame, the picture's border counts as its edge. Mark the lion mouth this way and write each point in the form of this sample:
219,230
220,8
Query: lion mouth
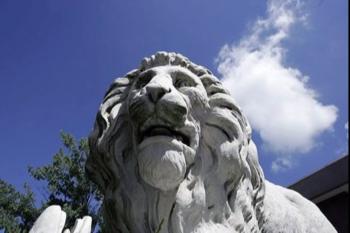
158,130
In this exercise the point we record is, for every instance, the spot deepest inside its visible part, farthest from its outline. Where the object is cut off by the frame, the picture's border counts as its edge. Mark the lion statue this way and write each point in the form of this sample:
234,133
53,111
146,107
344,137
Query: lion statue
172,153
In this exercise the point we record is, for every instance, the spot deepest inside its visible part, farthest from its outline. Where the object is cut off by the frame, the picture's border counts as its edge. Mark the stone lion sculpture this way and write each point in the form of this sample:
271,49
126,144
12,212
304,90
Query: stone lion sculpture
172,153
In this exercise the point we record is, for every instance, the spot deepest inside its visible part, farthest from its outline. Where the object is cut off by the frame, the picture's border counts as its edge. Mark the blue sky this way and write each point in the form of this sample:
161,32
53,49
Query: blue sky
57,59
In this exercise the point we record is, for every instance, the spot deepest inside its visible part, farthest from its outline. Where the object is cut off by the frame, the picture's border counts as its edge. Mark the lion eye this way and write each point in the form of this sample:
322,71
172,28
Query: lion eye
143,79
183,81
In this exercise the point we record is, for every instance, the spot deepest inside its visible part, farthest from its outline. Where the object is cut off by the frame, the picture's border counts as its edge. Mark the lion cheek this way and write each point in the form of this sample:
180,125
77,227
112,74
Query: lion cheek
230,163
140,110
163,170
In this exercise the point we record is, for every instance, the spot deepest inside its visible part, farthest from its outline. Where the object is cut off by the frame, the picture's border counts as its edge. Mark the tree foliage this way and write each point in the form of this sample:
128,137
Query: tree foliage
17,210
65,185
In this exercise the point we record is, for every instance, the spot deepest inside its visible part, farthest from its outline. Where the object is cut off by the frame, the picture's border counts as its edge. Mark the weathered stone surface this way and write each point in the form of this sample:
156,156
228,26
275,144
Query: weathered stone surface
82,225
52,220
172,151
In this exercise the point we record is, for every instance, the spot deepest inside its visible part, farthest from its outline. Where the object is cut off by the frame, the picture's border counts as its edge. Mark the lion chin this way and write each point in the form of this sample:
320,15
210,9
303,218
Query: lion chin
172,153
162,162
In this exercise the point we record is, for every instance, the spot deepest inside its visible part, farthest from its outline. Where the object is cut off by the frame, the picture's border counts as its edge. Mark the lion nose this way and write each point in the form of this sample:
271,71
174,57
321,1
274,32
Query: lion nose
156,91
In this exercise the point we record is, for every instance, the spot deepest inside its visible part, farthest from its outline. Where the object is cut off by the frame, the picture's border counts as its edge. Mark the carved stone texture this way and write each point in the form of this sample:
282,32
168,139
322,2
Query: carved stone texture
172,153
52,220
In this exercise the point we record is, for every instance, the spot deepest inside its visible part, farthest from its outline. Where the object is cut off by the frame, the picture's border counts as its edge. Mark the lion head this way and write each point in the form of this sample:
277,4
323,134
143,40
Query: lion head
172,151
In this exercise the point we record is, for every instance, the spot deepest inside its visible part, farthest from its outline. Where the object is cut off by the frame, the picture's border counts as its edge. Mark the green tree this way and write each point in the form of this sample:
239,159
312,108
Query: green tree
17,210
65,185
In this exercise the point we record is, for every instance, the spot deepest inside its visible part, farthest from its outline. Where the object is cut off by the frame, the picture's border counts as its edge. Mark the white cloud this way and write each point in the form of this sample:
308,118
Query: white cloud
346,126
276,98
281,164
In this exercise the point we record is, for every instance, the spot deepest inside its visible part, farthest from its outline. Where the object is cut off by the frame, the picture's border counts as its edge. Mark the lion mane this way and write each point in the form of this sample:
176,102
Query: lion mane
222,191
